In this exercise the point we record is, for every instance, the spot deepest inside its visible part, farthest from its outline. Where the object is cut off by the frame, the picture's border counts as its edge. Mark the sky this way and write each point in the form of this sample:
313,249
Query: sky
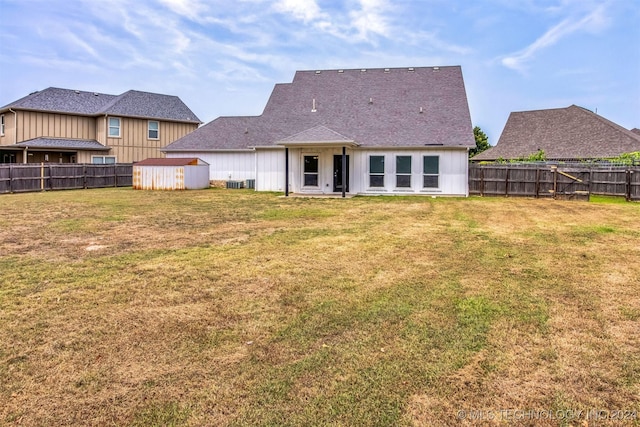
223,57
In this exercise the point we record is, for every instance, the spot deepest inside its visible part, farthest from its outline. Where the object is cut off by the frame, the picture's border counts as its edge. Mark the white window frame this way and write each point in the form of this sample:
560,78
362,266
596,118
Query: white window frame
403,174
1,124
317,173
103,160
377,174
156,130
110,126
425,174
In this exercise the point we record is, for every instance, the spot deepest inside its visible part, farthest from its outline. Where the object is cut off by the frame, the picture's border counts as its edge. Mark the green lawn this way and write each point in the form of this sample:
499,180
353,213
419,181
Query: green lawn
230,307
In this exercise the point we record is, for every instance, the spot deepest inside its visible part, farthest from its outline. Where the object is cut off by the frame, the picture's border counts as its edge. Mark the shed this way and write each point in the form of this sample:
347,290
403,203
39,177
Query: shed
171,174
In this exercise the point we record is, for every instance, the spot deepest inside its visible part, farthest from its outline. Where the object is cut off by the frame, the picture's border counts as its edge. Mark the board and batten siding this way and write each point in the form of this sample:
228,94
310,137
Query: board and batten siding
36,124
9,136
225,165
134,144
270,169
452,180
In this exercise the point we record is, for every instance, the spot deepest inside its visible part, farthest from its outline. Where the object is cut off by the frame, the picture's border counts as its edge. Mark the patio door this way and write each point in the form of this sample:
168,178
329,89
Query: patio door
337,174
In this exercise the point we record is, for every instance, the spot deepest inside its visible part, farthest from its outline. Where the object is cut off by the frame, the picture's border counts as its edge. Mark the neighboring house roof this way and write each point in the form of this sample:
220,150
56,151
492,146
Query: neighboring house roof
61,143
396,107
562,133
129,104
187,161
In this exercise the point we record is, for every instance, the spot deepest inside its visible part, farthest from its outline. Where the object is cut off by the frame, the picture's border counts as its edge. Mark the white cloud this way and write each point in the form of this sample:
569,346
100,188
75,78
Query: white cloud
304,10
595,21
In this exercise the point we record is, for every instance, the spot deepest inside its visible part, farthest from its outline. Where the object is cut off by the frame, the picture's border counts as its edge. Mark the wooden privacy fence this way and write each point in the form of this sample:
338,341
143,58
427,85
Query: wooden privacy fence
554,181
16,178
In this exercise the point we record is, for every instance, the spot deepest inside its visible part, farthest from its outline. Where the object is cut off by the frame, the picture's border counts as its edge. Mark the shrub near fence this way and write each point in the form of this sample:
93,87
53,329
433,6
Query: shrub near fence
556,181
16,178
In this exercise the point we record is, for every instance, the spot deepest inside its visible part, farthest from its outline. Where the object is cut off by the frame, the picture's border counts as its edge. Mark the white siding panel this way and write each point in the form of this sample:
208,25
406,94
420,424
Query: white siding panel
226,165
270,169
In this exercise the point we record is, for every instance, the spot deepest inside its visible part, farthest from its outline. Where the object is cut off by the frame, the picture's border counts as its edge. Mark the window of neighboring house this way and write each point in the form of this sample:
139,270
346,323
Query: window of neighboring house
310,171
376,171
2,124
114,127
403,171
154,130
103,160
431,170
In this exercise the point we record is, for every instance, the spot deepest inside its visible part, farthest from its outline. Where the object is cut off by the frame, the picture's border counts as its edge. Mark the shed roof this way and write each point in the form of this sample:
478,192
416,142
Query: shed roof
382,107
187,161
563,133
129,104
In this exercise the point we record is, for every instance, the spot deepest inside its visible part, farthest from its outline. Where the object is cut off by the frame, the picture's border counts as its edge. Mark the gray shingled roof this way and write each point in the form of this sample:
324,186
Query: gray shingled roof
563,133
316,134
636,131
397,107
62,143
129,104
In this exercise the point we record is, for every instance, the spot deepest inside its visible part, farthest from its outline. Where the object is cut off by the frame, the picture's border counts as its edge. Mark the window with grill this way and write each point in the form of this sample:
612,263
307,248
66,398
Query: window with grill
431,171
376,171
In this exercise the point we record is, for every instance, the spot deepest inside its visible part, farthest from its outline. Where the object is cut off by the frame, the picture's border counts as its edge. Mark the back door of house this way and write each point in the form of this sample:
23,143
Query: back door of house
337,174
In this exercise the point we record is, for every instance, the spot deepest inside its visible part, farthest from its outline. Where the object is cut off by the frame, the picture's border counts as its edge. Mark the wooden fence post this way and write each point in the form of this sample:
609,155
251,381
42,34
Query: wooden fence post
537,182
481,181
506,183
627,192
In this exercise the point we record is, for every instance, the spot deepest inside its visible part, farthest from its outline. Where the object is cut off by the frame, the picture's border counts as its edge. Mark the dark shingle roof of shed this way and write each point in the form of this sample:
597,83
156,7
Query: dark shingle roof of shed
395,107
129,104
563,133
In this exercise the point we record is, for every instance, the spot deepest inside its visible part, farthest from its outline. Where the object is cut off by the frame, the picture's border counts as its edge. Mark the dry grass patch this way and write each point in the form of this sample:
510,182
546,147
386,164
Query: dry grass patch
221,307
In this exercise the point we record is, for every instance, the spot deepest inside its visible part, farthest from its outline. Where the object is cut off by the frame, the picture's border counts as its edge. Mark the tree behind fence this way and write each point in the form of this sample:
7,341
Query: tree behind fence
16,178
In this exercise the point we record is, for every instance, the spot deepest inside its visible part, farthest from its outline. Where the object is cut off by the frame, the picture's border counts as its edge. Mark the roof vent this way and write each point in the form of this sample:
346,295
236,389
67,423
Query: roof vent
341,71
246,130
95,93
386,70
370,100
411,69
436,68
318,71
77,91
421,110
313,106
364,70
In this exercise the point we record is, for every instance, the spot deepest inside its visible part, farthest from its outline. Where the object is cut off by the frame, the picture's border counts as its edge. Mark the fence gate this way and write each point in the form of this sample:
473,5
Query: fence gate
570,183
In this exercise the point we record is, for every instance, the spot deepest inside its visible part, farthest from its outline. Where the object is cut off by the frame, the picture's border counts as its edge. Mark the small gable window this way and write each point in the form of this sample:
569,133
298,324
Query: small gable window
114,127
376,171
403,171
154,130
431,171
2,124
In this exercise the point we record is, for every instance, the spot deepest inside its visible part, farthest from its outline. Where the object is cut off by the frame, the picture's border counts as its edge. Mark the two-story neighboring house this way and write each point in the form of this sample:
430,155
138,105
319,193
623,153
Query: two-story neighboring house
71,126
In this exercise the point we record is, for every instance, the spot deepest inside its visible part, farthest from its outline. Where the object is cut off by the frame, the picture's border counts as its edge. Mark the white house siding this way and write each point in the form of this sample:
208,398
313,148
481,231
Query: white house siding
270,169
453,172
225,165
